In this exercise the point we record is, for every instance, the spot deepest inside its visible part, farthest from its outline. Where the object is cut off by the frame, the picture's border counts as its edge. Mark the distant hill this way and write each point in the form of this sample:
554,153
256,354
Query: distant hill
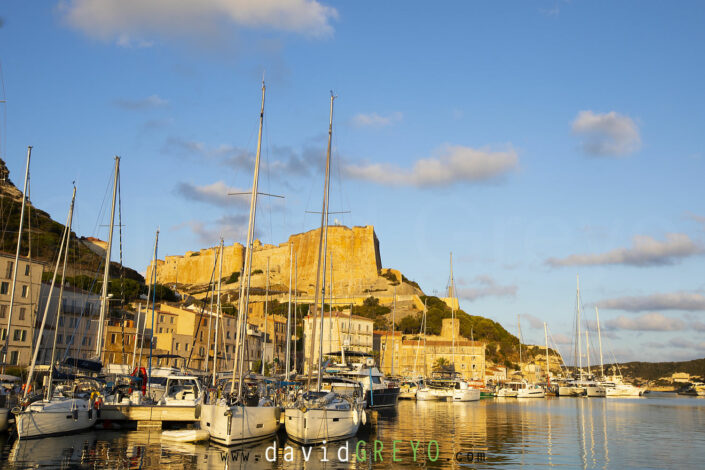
652,371
45,235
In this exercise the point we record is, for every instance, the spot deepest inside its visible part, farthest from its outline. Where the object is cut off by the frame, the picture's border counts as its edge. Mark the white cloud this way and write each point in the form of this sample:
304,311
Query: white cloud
486,287
376,120
231,227
672,301
135,22
647,322
609,134
645,251
215,194
451,164
153,101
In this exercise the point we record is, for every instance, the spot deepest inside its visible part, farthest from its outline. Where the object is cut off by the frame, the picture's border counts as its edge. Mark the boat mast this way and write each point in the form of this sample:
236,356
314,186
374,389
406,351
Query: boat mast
137,323
587,354
6,348
238,366
599,337
266,298
106,273
288,315
296,306
217,316
326,201
451,294
46,311
322,239
394,309
519,327
425,369
60,299
154,295
211,288
545,335
580,348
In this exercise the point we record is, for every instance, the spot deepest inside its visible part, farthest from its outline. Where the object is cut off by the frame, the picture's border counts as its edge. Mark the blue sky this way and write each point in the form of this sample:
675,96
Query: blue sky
535,140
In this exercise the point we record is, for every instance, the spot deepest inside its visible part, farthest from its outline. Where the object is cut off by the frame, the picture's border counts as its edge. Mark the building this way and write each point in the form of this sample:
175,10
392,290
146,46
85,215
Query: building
275,345
78,324
24,310
680,377
353,332
190,333
414,355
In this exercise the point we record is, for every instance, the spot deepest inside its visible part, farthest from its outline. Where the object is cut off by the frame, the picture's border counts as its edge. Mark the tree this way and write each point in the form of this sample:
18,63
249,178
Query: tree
443,365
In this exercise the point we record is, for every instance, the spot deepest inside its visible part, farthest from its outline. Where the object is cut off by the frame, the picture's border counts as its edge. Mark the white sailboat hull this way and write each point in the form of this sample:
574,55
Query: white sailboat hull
231,425
571,391
466,395
50,418
312,426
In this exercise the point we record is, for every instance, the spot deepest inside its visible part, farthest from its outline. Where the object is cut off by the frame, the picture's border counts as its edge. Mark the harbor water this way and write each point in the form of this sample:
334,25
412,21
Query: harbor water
661,430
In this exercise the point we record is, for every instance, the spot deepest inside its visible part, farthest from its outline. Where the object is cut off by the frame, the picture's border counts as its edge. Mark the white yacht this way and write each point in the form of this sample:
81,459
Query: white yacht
530,391
323,416
182,390
463,392
378,391
509,390
615,387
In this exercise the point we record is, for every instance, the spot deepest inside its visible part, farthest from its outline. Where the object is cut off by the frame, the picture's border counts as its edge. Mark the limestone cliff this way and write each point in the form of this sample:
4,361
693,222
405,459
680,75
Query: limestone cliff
353,252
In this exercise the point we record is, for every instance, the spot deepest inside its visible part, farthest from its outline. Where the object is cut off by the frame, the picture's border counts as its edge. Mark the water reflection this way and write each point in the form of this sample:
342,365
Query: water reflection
658,431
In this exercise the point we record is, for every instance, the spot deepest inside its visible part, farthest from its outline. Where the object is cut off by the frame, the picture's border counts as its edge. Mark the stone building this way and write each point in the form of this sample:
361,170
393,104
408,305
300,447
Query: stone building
78,324
24,310
353,332
414,355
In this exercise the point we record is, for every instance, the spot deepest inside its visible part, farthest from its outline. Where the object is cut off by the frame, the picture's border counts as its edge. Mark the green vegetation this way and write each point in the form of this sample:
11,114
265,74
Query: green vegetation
656,370
408,281
232,278
123,290
371,308
256,271
391,277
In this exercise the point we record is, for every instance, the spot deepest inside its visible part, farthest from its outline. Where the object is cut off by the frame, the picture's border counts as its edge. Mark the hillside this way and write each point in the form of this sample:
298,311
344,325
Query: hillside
653,371
45,235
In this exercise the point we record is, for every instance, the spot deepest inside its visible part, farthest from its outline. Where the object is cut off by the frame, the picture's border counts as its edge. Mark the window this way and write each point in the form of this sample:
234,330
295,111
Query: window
171,320
4,288
8,271
24,291
112,338
59,339
227,334
3,311
26,270
14,356
19,335
161,318
61,321
3,334
160,329
85,340
23,311
201,351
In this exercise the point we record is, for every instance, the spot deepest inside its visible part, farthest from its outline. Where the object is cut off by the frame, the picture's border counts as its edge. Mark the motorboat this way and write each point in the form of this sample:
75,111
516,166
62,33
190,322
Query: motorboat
530,391
463,392
509,390
616,387
378,391
182,390
408,389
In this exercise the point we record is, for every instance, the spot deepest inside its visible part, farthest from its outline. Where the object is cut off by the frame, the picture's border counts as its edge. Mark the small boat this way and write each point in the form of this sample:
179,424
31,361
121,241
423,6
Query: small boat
408,389
509,390
530,391
694,389
7,382
186,435
616,387
463,392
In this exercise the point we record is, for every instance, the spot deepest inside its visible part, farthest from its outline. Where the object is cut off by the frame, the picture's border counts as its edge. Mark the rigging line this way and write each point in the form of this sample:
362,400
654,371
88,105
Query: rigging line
268,173
200,316
102,209
122,269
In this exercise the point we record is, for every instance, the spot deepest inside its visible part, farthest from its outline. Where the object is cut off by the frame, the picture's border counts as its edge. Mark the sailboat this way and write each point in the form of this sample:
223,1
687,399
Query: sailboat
62,412
234,419
316,415
453,388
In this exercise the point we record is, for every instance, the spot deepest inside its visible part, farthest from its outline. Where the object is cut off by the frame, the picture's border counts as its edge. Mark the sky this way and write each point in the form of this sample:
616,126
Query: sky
535,140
